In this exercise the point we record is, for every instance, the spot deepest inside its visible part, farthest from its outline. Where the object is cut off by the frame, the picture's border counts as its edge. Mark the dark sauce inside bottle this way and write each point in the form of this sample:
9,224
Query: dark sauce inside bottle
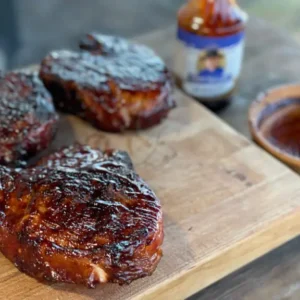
219,104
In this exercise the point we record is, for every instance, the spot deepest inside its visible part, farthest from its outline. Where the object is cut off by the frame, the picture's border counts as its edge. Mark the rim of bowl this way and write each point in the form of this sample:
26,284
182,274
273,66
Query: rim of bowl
265,99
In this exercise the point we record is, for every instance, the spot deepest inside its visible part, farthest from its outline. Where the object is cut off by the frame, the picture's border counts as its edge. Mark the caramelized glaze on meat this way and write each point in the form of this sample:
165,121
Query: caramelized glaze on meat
80,216
27,117
112,83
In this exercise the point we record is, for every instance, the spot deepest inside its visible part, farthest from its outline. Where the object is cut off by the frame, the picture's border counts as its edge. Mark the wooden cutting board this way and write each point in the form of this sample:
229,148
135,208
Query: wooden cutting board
225,203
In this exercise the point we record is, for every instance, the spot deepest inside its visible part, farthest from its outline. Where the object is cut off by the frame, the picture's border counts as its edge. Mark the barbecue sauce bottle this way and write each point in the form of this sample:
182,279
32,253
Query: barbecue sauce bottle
210,50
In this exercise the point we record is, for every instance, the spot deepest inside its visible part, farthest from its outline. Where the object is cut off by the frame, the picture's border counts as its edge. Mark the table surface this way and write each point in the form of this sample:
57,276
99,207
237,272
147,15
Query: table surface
275,276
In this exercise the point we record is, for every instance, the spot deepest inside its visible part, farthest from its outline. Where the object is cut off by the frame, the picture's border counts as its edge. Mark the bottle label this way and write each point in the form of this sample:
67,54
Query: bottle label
209,66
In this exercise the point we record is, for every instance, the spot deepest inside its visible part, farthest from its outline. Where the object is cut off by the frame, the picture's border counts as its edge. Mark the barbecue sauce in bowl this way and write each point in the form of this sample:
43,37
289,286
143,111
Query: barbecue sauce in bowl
282,128
274,121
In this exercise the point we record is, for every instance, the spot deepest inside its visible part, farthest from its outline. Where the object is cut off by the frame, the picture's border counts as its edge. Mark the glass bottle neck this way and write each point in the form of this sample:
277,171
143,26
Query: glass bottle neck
217,5
223,10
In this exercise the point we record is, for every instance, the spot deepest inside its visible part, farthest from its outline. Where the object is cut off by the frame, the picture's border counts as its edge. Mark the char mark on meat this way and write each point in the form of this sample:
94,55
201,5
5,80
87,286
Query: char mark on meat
80,216
112,83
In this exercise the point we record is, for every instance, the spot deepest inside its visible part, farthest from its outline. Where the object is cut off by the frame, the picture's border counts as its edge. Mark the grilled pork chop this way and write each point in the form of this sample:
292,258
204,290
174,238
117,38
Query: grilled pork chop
27,117
80,216
112,83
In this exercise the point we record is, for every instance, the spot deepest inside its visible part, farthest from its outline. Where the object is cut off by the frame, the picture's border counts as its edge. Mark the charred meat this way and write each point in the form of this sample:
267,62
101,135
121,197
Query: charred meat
80,216
27,117
112,83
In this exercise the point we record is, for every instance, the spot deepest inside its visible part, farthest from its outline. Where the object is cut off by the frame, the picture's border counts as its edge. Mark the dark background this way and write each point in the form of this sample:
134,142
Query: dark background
31,28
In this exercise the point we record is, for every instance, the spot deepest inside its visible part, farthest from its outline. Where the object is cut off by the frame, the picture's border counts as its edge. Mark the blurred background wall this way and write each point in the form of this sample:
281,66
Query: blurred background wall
31,28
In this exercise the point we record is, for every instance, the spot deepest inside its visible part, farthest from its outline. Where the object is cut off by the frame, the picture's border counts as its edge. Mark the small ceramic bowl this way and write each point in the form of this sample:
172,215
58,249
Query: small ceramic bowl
274,120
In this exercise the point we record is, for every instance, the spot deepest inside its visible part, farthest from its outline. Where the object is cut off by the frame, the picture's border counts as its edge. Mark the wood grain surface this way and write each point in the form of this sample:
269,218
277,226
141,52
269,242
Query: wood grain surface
221,201
272,58
275,276
225,203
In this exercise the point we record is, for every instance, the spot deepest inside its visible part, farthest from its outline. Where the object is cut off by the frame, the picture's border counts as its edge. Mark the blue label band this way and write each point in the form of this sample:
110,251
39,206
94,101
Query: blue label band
201,42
